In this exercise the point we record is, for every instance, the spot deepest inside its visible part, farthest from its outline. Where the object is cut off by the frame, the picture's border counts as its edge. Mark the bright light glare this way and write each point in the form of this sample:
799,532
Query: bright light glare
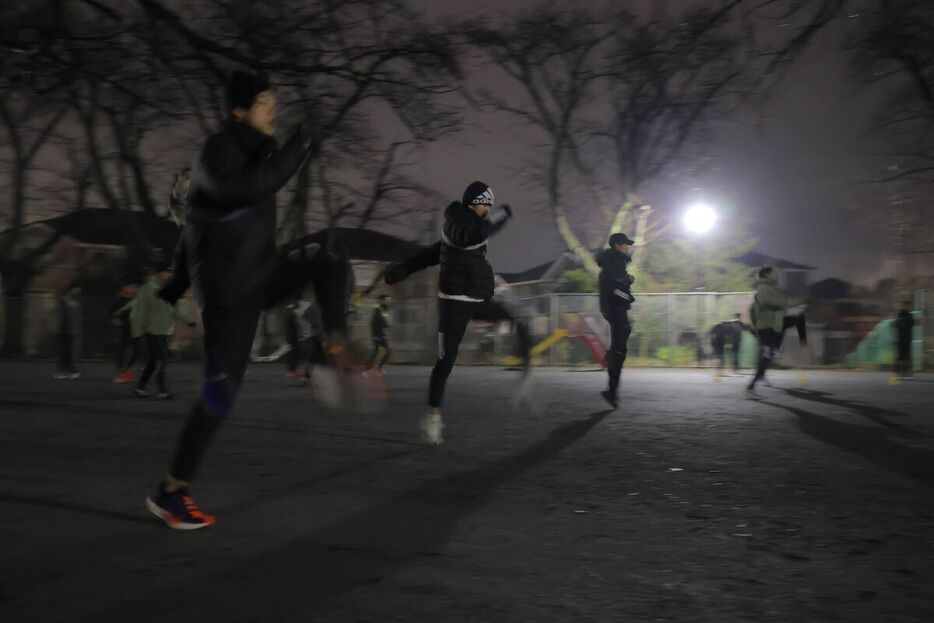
699,219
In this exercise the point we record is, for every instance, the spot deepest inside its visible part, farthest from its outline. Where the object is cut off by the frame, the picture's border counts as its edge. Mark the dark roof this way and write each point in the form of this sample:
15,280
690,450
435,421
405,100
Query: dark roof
101,226
532,274
373,246
830,289
107,227
756,260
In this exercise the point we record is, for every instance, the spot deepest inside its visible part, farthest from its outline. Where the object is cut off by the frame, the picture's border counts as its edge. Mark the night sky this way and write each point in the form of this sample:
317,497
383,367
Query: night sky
793,167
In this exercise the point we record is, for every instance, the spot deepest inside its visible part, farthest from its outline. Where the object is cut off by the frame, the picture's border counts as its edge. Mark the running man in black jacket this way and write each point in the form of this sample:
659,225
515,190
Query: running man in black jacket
465,289
615,300
228,254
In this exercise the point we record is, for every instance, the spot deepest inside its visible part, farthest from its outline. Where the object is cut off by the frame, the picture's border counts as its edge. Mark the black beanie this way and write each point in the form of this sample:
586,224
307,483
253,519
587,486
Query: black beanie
243,87
477,193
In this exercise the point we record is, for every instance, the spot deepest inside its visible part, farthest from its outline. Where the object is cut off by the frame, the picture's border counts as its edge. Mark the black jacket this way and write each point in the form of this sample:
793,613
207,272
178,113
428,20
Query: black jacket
379,323
230,236
615,282
465,272
904,327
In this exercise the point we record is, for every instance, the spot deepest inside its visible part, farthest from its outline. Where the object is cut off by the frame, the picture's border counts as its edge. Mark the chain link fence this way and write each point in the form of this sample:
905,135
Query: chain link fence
670,329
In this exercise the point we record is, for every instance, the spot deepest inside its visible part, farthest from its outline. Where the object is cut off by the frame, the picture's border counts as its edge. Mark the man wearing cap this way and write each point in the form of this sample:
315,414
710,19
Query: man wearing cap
615,299
465,289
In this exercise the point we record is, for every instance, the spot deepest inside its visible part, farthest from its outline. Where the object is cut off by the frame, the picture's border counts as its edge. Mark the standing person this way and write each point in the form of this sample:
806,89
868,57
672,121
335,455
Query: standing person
719,335
157,319
615,300
465,290
736,327
293,357
379,324
311,334
232,263
768,319
904,329
70,319
127,349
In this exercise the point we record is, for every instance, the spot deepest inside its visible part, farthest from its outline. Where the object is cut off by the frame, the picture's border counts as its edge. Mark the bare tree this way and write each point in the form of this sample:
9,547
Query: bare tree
618,99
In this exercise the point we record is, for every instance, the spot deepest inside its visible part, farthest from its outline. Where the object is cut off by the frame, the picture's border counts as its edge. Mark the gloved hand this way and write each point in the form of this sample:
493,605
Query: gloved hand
394,274
507,209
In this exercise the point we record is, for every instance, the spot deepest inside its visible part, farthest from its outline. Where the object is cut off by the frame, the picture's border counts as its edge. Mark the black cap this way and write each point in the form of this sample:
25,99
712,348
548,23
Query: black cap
620,238
243,87
477,193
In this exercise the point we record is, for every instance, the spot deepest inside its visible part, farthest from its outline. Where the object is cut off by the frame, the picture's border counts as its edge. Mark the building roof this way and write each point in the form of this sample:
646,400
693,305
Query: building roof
375,246
756,260
536,273
107,227
830,288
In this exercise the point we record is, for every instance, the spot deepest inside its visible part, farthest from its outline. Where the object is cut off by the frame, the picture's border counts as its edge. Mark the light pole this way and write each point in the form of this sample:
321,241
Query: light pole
698,220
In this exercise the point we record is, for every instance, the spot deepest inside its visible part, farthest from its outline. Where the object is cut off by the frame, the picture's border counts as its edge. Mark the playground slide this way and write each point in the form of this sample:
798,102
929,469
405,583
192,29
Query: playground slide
593,344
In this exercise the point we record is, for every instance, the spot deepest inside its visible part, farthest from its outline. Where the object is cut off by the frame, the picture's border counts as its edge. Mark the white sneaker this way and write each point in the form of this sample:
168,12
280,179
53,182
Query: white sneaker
431,427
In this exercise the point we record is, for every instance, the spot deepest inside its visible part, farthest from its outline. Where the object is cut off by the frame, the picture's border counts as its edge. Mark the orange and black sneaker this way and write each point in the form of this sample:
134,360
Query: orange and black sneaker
178,510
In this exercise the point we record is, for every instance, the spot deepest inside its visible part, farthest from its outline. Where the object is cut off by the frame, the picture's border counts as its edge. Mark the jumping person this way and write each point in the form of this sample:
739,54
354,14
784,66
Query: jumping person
465,289
228,243
768,319
615,300
904,327
379,324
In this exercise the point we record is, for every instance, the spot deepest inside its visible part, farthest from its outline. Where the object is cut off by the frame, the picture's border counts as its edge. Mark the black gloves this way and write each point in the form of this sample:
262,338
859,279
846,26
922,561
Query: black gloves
507,209
395,274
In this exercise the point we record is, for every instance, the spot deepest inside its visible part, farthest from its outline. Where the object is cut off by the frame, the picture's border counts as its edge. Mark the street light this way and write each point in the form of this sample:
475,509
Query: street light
699,219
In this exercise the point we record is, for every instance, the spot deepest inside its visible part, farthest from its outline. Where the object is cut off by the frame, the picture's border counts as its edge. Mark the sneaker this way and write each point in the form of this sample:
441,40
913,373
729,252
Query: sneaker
752,395
610,397
126,376
293,374
178,510
140,393
431,427
60,376
74,375
164,396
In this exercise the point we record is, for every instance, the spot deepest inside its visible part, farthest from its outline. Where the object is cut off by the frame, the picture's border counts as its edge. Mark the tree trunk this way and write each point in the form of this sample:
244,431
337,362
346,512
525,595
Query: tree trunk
12,325
640,250
574,244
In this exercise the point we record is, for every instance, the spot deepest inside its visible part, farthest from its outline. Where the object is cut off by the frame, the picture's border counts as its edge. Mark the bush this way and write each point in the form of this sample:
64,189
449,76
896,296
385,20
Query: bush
676,355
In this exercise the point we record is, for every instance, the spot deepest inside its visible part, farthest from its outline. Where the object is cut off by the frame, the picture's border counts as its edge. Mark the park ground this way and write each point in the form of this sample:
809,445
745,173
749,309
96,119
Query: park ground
688,503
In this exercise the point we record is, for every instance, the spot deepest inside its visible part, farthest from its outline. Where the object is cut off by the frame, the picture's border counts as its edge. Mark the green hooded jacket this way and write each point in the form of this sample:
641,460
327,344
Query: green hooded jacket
768,308
150,314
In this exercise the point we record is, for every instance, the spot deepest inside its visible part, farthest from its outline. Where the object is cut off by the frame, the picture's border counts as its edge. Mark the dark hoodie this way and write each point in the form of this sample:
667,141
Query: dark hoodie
615,281
230,237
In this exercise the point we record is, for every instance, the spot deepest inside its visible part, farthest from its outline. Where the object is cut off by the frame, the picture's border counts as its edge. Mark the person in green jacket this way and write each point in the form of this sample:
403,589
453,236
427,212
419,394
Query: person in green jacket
768,318
155,319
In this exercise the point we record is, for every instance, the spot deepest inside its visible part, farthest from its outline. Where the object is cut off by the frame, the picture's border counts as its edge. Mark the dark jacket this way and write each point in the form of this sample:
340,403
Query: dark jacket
615,282
230,236
465,272
904,327
379,323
